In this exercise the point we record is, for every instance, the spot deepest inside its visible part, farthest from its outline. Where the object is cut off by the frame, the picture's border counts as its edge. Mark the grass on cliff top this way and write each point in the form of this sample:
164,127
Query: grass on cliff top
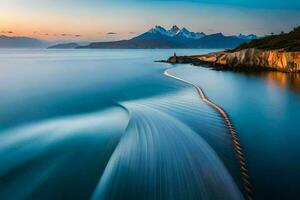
287,41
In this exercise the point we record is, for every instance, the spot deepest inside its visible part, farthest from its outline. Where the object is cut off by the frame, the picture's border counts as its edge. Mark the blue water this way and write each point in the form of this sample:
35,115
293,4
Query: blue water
108,124
264,108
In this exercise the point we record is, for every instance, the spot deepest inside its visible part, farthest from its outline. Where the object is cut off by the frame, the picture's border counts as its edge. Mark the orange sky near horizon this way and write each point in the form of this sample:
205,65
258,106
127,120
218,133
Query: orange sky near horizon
52,24
56,28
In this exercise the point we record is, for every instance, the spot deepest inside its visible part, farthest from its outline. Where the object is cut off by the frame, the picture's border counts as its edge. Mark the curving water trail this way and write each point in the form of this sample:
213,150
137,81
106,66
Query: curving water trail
237,147
159,157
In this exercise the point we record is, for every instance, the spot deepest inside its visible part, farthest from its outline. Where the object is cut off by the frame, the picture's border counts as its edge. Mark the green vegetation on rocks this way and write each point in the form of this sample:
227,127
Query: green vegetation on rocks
287,41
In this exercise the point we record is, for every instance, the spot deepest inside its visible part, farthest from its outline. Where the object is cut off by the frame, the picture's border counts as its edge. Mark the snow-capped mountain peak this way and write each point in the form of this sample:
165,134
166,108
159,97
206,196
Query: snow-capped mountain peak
190,35
184,30
174,30
200,35
159,29
248,37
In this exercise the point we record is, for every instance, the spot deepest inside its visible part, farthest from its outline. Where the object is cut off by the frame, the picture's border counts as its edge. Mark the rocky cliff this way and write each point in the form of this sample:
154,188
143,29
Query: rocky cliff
255,59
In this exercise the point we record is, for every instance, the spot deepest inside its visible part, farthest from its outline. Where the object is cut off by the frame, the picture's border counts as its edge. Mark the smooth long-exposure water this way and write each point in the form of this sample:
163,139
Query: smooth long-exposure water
108,124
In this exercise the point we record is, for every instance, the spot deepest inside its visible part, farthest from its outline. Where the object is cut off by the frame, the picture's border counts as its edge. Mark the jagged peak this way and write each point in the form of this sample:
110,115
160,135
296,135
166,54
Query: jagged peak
184,30
176,31
217,34
158,29
249,37
175,27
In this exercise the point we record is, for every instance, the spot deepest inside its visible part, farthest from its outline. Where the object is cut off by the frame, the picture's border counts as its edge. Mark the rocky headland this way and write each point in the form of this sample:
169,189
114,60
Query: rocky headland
278,53
247,59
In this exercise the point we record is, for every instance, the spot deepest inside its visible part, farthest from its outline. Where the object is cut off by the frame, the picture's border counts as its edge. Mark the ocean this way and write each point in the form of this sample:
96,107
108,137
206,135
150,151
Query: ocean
108,124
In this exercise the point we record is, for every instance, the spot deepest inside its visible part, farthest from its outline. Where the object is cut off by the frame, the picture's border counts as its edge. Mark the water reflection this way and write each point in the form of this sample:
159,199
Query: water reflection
280,79
264,108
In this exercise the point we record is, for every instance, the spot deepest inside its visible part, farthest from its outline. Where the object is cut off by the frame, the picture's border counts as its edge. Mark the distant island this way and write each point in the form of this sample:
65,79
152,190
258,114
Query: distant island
21,42
160,38
71,45
274,52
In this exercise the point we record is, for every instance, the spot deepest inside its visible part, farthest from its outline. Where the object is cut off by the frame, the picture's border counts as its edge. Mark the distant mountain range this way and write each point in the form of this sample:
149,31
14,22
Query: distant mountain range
71,45
248,37
21,42
157,37
174,34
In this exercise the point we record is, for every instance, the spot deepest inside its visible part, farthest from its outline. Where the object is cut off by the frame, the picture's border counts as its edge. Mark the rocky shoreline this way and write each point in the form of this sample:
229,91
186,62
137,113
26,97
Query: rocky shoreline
245,60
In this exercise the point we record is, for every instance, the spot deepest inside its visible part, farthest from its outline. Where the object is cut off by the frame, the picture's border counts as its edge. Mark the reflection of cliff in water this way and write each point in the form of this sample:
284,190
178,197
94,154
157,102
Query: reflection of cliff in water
283,80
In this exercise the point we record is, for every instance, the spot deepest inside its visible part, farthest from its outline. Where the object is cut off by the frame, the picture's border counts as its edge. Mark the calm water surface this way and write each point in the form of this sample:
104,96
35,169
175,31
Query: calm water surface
107,124
264,108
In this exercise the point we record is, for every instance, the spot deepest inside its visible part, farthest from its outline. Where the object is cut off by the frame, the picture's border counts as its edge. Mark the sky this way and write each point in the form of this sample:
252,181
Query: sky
105,20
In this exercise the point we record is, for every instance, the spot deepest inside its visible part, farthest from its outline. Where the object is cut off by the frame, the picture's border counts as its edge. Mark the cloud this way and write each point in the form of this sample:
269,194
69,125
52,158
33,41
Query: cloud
7,32
65,35
111,33
69,35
